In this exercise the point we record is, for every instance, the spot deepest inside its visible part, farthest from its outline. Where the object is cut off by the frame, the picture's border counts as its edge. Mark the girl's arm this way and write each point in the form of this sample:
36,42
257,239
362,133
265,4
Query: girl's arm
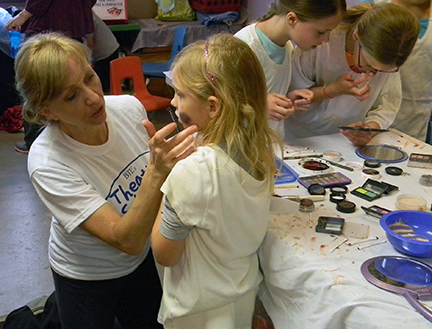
167,252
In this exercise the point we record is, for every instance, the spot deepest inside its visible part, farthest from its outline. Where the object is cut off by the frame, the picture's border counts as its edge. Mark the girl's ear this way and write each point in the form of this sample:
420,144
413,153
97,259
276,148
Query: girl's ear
214,106
291,18
46,112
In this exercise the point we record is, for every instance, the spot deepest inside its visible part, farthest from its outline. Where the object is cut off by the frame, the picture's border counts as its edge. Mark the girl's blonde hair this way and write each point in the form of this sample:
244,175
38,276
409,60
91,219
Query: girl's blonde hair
306,10
41,70
227,68
387,32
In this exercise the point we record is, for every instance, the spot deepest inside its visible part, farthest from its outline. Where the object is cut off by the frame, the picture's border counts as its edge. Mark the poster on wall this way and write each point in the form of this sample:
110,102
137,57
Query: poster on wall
112,11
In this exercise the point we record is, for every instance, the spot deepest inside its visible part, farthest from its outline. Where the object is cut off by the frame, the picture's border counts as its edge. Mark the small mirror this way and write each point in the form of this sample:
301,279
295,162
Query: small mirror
401,275
382,153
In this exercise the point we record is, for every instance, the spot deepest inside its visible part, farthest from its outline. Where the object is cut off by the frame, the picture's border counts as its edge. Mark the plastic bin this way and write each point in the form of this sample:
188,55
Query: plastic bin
215,6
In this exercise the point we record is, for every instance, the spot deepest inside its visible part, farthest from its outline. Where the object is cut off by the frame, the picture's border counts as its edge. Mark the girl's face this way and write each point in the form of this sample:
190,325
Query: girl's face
309,35
366,63
189,109
80,108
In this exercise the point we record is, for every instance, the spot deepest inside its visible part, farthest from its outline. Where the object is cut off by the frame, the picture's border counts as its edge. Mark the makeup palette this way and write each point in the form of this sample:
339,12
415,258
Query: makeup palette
371,190
375,211
419,160
325,180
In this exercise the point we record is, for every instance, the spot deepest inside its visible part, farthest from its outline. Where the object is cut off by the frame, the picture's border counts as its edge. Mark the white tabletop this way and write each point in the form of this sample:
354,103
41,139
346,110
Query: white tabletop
308,286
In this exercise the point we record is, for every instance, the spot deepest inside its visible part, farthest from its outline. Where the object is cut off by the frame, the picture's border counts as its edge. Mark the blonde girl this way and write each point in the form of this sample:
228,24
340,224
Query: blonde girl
372,41
216,203
307,24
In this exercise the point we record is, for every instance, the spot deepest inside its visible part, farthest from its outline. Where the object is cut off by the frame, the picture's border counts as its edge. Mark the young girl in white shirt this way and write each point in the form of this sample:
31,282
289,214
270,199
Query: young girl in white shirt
305,23
216,203
373,41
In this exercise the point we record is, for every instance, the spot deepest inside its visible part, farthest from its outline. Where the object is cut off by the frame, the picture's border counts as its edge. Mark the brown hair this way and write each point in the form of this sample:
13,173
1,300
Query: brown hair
387,32
306,10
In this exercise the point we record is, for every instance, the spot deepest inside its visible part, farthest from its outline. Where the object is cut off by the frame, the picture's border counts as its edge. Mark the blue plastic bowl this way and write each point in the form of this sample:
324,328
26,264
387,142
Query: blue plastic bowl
421,224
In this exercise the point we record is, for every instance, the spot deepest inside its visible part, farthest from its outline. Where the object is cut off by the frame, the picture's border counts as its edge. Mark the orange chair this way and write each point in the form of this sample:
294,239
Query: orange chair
129,67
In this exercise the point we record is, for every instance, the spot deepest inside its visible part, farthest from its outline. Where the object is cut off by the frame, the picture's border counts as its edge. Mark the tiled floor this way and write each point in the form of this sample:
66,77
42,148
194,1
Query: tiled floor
24,228
24,231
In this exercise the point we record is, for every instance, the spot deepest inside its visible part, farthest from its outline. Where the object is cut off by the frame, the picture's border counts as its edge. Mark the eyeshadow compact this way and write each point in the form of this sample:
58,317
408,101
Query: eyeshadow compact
375,211
314,166
325,180
346,207
394,171
371,163
316,189
330,225
371,190
419,160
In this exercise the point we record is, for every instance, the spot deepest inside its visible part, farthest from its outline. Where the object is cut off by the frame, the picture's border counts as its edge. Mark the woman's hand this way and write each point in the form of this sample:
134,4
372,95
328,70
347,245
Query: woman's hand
165,153
360,138
15,23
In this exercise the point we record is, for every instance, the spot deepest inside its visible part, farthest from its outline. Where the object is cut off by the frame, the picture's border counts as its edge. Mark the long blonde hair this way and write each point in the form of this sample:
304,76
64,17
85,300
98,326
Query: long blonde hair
231,72
41,70
387,32
306,10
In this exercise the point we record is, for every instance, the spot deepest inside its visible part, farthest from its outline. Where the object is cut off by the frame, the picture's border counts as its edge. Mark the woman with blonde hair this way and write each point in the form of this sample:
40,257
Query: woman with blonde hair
372,41
99,174
216,203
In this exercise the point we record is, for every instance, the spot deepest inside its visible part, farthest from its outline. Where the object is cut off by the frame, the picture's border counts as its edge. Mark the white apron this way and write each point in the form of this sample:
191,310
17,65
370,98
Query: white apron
416,75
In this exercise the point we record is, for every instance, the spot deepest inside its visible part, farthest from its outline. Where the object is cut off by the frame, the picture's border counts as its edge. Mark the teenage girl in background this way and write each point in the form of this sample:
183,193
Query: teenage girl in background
307,23
372,41
416,74
216,203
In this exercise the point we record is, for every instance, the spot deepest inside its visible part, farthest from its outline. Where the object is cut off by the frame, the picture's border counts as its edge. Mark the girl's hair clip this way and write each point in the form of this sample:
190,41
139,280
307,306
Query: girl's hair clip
206,52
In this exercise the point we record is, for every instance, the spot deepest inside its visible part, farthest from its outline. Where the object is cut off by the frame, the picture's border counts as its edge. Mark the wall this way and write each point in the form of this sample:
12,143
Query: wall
257,8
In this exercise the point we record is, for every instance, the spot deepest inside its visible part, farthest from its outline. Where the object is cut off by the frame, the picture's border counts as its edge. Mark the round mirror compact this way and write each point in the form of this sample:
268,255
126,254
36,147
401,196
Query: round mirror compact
401,275
382,153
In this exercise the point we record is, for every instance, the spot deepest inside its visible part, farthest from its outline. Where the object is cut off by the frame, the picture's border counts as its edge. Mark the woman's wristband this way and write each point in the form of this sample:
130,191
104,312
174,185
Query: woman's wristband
324,92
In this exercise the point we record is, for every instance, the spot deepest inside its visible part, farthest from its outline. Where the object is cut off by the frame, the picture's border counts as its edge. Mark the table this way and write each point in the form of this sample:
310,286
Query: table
308,286
155,33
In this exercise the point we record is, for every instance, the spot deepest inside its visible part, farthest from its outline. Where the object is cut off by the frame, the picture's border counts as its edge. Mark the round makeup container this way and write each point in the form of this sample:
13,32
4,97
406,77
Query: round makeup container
316,189
370,173
394,171
410,202
372,163
346,207
426,180
337,197
334,156
314,166
306,205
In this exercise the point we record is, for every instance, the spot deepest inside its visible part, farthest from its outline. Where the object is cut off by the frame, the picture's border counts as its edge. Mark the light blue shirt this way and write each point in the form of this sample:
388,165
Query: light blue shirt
275,52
